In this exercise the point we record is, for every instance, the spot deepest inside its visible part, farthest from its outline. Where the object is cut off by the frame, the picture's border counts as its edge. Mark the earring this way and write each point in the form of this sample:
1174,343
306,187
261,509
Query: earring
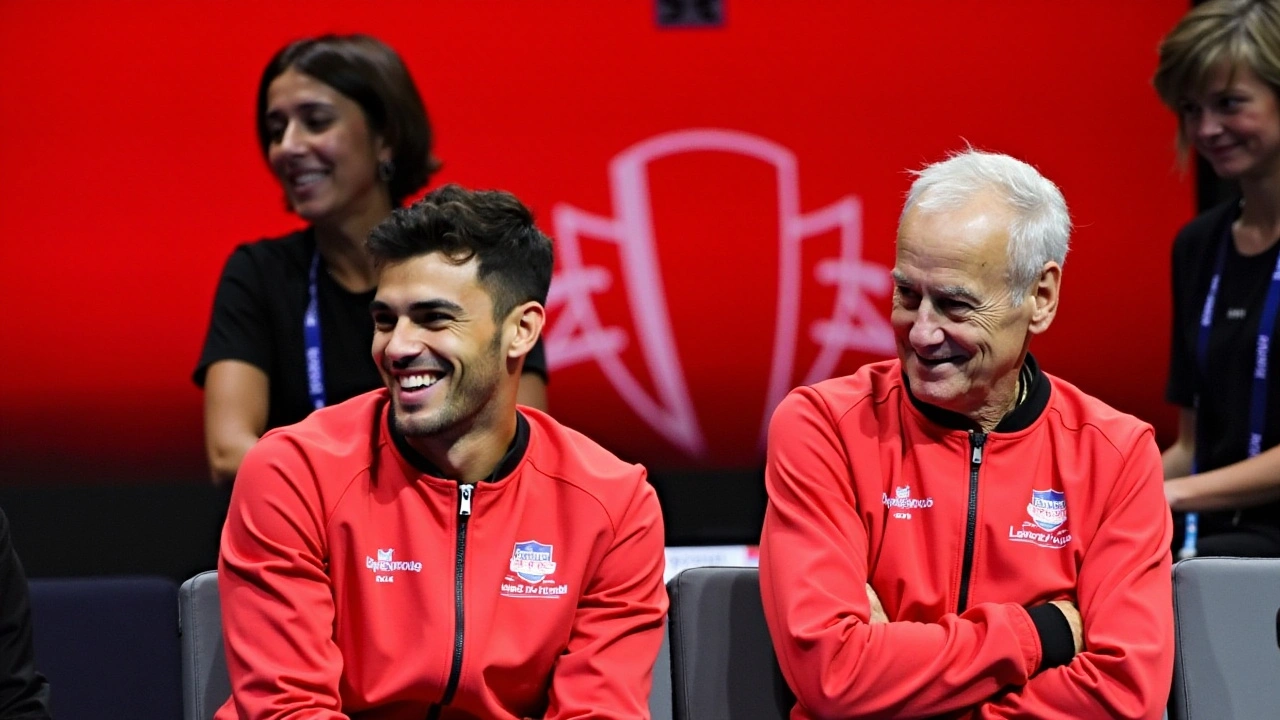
386,170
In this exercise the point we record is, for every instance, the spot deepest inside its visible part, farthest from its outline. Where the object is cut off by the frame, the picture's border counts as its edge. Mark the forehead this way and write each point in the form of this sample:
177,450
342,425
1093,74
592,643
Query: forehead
292,88
967,245
1222,76
430,277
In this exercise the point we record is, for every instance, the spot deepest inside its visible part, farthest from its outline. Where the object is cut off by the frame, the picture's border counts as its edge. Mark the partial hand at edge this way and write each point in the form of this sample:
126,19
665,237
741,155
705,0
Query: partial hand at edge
877,610
1072,614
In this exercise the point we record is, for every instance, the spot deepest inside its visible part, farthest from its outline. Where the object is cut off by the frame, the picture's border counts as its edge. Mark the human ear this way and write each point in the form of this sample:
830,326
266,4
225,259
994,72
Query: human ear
1044,297
525,327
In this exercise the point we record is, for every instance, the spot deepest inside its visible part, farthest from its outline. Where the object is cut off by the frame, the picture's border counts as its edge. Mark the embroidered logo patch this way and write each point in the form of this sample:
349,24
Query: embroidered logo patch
1048,512
1048,508
532,561
532,564
385,567
902,502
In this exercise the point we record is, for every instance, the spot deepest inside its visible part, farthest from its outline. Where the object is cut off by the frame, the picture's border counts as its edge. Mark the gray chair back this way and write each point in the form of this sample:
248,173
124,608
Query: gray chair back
660,693
205,685
722,661
1227,659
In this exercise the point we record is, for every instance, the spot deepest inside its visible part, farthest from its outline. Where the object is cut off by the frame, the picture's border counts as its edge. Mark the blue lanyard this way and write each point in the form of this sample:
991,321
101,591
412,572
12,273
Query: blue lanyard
311,335
1258,398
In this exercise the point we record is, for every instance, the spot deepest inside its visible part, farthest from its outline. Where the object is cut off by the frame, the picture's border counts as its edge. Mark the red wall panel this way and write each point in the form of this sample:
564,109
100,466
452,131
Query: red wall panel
732,196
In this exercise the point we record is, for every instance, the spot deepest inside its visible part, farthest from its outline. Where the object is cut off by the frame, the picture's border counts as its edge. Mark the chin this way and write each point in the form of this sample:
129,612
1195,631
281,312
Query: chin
310,212
417,425
939,393
935,396
414,421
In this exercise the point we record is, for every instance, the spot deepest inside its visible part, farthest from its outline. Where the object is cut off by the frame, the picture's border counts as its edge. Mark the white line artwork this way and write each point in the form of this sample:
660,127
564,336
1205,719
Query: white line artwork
577,334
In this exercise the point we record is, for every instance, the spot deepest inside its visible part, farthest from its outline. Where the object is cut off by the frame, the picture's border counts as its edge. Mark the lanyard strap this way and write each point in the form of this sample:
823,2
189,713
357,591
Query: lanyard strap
311,335
1258,396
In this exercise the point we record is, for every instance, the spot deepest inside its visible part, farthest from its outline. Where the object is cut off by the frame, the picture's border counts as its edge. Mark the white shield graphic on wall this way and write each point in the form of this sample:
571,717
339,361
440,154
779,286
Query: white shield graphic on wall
578,334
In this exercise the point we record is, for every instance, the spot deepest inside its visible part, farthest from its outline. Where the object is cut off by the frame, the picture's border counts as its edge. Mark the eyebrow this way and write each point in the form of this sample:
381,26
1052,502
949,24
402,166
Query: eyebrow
307,105
420,306
951,291
963,293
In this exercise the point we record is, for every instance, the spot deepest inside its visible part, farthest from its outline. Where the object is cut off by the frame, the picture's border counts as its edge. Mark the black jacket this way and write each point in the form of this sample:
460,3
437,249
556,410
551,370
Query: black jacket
24,693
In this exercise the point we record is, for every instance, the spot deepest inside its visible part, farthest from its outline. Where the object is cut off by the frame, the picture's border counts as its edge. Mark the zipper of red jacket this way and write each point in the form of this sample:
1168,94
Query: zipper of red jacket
455,670
977,439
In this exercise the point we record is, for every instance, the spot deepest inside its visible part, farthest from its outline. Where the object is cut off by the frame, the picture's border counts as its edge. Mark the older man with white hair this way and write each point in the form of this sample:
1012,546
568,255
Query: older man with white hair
956,532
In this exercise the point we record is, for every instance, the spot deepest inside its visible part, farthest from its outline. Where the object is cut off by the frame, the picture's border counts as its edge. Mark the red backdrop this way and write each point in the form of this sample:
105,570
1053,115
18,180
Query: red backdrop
729,196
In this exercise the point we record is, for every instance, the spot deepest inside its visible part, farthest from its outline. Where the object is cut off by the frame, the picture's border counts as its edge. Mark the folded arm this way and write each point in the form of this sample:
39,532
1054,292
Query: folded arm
1125,595
814,571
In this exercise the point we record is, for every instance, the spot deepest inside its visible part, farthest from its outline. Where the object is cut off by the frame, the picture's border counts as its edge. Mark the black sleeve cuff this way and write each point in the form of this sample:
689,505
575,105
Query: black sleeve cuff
1057,646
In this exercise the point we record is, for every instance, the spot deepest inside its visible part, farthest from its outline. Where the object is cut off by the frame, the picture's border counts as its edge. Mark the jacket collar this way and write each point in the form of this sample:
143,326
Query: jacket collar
506,466
1019,418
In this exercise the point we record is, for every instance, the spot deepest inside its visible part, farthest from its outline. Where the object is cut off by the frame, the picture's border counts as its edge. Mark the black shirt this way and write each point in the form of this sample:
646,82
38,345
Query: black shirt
1223,392
257,318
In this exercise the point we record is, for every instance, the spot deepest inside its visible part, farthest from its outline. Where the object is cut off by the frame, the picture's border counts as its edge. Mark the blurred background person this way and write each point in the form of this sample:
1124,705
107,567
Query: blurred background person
24,693
1219,71
344,131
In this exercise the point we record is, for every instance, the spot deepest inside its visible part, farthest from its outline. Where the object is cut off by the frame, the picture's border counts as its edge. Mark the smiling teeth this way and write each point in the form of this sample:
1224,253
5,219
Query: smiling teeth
413,382
307,177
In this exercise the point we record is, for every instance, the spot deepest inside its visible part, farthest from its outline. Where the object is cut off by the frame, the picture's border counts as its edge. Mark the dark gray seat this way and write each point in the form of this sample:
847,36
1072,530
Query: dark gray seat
205,685
108,646
1227,660
722,661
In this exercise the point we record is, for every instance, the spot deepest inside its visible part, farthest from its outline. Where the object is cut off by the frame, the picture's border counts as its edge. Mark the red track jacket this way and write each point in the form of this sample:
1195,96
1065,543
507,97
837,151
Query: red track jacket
958,532
353,583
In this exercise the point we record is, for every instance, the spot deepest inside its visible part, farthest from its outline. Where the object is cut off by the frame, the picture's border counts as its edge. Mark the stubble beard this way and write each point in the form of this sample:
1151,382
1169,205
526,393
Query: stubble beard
464,401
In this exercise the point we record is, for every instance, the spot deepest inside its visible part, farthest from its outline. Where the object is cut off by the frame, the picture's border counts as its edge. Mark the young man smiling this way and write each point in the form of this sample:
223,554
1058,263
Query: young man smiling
431,549
955,532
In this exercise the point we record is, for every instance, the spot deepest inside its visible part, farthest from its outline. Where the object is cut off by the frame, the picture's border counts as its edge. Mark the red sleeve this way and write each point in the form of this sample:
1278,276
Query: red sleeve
277,606
813,569
1125,596
606,670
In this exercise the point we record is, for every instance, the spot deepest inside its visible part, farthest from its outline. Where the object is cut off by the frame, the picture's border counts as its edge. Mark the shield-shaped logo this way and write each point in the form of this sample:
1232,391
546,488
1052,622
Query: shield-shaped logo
385,555
531,561
1048,509
641,317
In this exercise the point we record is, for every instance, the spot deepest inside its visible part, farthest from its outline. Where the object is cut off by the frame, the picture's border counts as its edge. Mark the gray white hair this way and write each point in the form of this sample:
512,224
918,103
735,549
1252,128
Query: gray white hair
1041,226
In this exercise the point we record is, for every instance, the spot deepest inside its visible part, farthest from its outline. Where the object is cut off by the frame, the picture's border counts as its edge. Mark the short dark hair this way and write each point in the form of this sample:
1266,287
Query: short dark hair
493,226
371,74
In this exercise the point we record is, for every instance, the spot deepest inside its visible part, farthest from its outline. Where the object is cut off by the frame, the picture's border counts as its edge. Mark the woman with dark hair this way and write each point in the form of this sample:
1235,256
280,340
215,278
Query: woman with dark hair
1220,71
345,133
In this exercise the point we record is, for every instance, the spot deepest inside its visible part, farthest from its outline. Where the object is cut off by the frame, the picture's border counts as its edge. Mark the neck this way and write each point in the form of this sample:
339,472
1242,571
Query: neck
345,259
1007,393
1000,402
471,454
342,245
1259,223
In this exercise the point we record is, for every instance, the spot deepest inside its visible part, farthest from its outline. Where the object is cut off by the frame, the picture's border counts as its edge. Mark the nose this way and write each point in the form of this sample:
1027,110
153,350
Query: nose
926,327
292,140
1205,125
404,344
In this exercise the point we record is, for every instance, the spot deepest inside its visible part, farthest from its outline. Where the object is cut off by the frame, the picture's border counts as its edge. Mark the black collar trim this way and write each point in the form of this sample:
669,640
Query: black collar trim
506,466
1020,418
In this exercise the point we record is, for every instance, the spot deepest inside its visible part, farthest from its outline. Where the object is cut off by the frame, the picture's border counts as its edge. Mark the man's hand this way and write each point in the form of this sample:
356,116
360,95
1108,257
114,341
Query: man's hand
1068,609
877,610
